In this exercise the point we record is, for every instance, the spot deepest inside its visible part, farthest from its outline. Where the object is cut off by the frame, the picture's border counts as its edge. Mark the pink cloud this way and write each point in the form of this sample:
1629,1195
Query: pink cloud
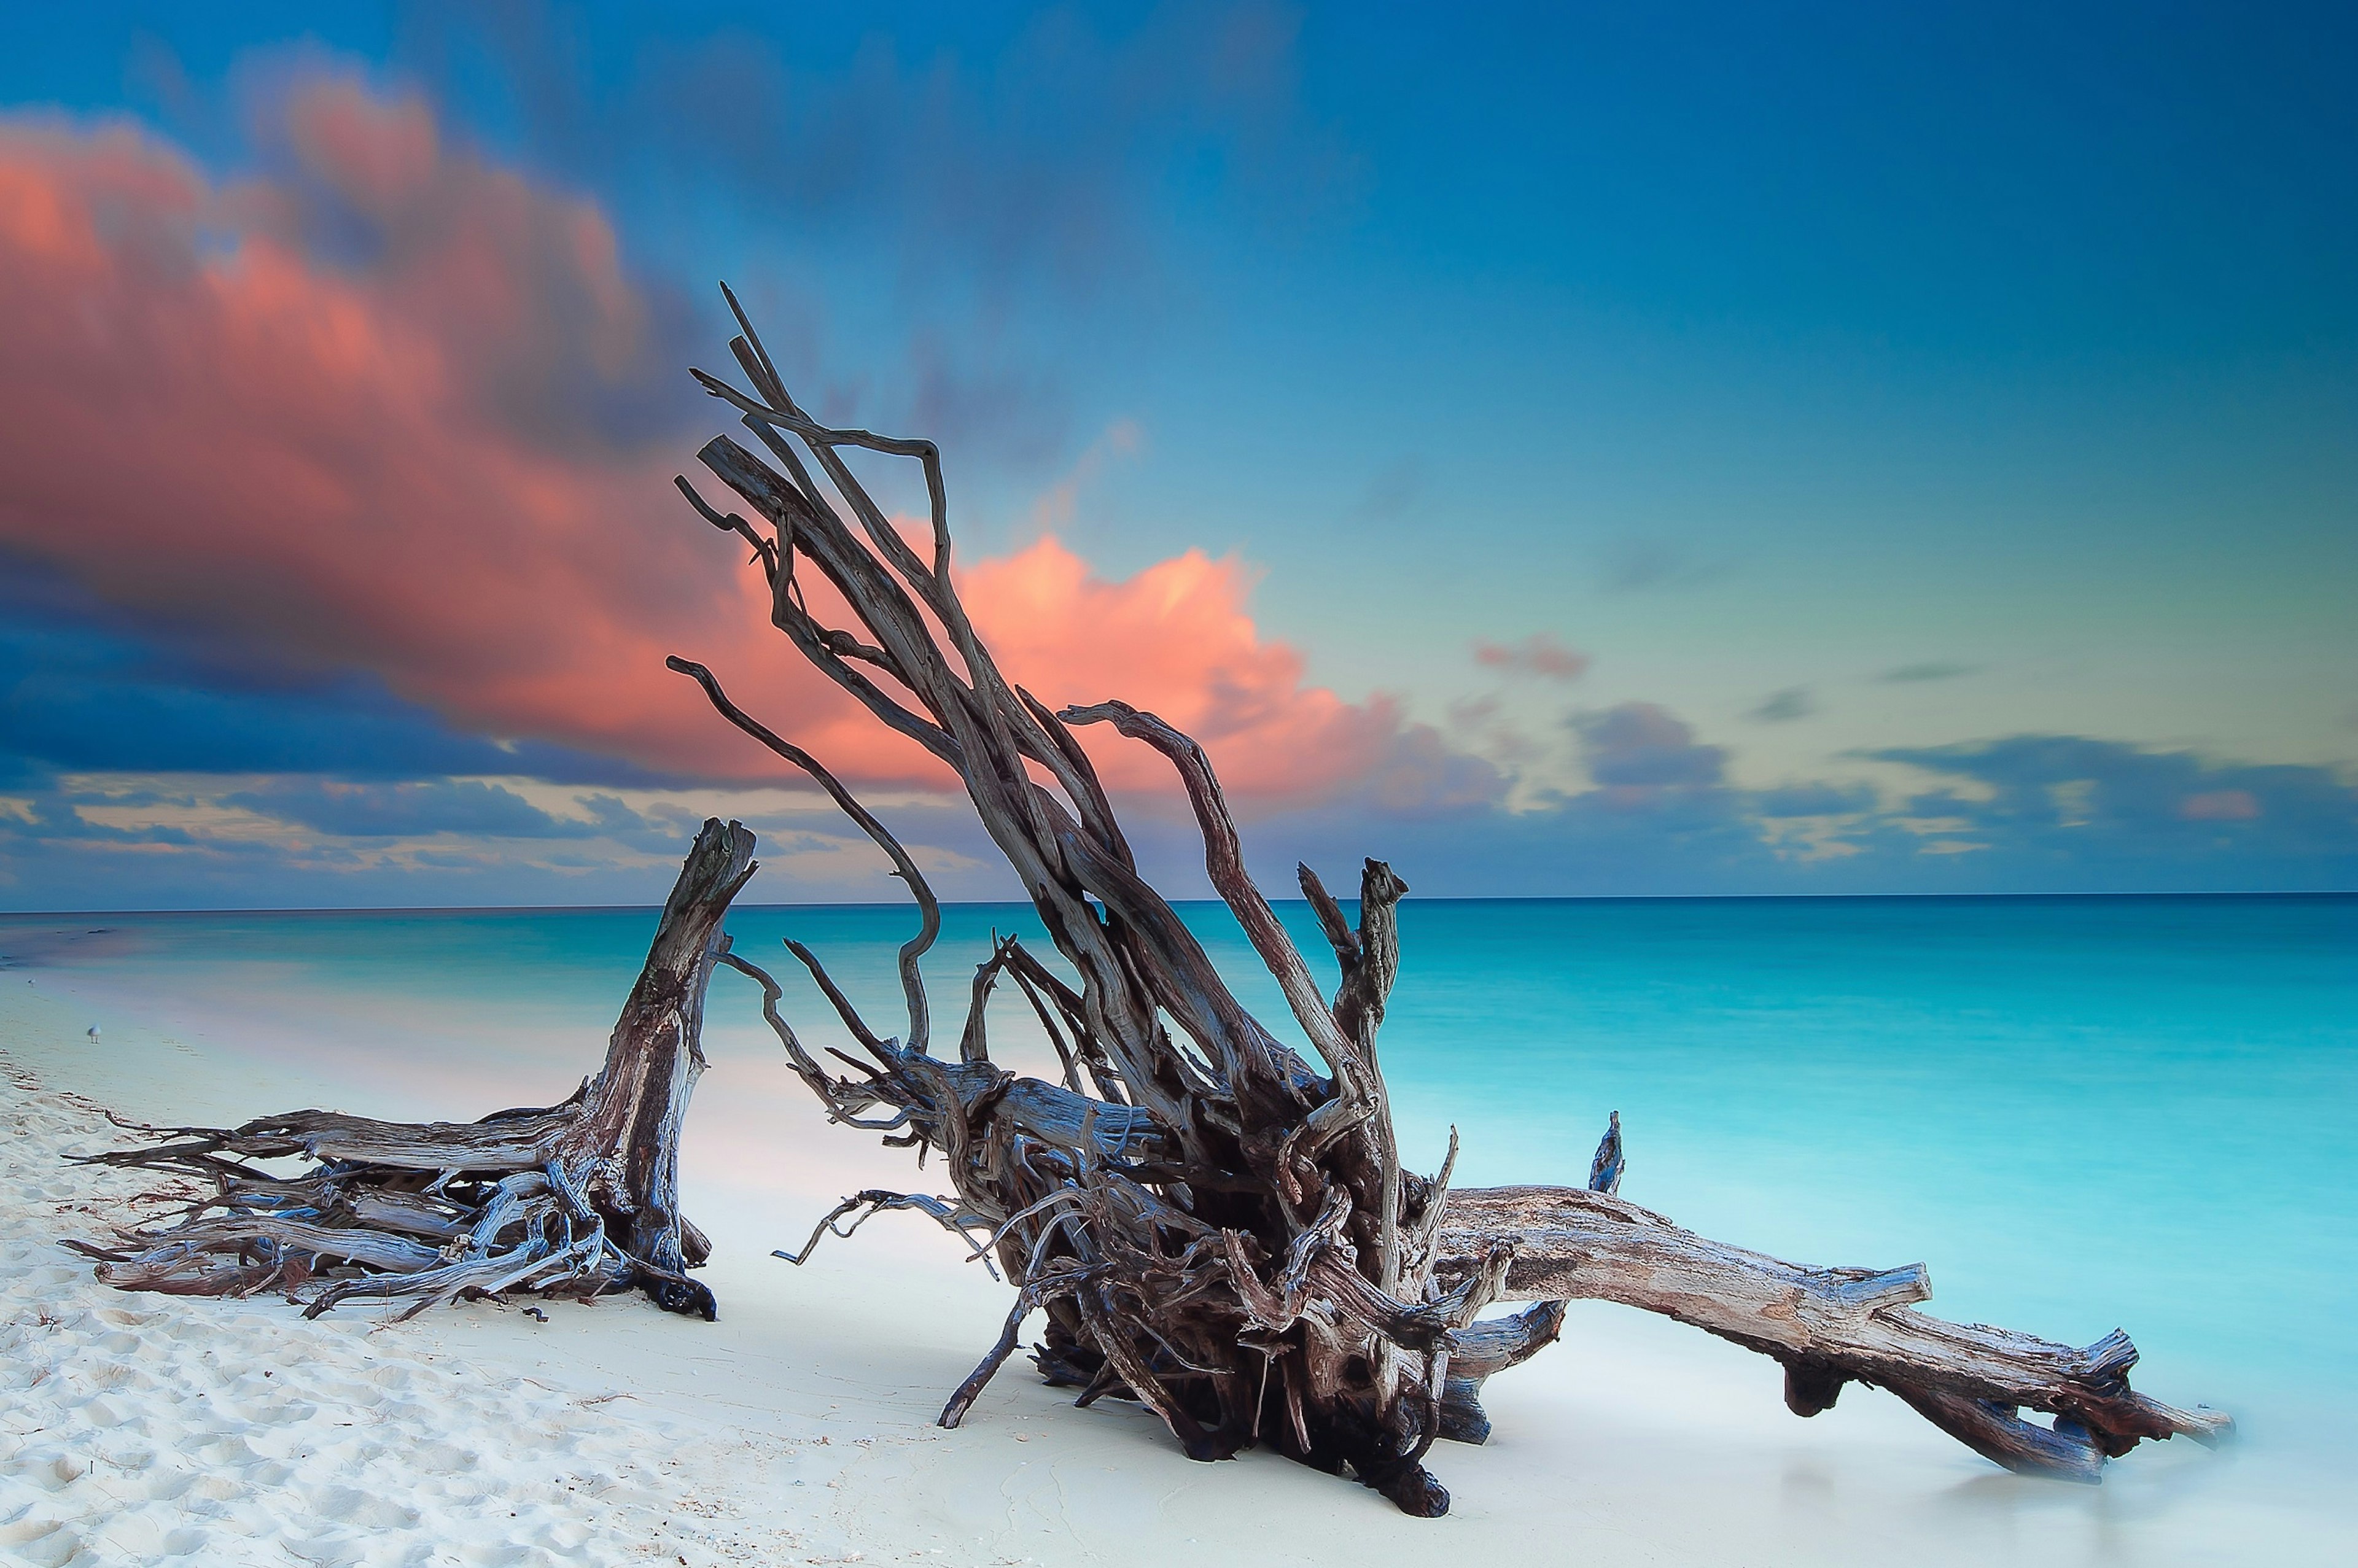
2219,805
1175,639
1537,654
412,465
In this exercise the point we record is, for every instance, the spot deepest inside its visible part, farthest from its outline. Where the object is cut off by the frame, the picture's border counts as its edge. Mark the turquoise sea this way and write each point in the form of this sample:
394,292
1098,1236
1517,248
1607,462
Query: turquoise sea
2080,1112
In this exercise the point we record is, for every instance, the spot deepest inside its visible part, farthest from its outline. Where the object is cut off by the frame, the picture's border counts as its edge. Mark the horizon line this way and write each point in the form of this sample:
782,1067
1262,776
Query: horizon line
1000,903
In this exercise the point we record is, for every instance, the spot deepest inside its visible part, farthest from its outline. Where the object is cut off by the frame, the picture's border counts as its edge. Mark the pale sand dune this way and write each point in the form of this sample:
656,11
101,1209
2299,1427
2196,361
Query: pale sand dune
143,1428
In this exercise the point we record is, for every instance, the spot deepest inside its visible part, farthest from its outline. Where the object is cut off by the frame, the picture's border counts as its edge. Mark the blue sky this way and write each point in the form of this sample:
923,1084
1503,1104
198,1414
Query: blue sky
1940,420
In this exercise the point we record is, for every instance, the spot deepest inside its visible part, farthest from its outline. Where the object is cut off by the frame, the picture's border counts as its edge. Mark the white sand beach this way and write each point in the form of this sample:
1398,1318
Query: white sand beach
138,1429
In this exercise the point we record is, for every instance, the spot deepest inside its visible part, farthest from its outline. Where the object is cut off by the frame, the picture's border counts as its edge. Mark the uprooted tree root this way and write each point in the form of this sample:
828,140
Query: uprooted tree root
1211,1226
575,1199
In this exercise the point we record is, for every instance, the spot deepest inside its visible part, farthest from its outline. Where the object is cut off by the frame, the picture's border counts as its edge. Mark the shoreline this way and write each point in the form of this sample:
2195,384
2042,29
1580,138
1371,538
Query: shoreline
798,1429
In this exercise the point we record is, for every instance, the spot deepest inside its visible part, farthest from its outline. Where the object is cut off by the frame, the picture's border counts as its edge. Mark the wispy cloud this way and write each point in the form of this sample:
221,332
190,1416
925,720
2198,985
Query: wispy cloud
1640,565
1908,674
1011,167
196,840
469,806
2114,809
1785,707
1663,817
1057,508
2219,805
2022,814
1643,746
1538,655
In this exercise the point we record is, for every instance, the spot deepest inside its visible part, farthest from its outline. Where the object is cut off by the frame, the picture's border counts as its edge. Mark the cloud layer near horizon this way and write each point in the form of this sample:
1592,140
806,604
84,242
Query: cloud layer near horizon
391,408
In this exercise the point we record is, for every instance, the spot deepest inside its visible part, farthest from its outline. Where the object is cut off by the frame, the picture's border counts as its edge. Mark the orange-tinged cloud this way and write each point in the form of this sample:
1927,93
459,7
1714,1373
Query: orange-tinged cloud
1537,654
425,453
2219,805
1175,639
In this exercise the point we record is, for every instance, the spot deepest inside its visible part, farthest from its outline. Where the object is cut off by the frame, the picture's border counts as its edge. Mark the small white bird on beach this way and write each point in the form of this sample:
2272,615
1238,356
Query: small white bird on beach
93,1032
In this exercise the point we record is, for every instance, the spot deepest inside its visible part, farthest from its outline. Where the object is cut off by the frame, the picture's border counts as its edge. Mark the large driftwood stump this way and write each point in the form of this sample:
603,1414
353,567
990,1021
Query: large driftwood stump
1211,1225
572,1199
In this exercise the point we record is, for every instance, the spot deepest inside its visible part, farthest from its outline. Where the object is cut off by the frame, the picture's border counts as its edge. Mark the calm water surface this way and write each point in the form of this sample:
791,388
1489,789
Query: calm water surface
2080,1112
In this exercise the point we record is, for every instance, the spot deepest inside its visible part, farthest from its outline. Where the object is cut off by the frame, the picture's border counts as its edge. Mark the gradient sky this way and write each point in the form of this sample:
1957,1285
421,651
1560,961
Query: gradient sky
1564,450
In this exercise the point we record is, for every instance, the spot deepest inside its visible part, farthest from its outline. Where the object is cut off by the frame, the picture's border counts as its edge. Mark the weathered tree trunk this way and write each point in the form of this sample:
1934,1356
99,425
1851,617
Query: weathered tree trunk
571,1199
1827,1326
1211,1226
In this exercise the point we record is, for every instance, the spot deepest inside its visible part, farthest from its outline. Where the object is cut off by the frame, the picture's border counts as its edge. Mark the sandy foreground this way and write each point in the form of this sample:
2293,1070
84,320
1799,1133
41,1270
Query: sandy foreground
139,1429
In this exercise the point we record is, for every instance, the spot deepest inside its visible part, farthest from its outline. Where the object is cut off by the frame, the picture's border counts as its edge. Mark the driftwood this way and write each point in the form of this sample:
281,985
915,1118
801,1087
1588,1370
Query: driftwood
1828,1326
574,1199
1212,1226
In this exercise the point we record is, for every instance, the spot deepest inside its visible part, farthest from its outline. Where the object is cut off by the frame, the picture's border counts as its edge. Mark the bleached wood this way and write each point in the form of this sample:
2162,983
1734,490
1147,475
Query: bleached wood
1833,1325
578,1198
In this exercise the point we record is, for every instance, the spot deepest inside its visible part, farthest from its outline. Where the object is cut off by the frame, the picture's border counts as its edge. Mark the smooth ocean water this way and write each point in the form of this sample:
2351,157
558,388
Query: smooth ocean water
2080,1112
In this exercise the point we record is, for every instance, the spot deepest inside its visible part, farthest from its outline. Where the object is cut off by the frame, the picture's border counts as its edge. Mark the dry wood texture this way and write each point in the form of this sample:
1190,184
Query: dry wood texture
1212,1225
571,1199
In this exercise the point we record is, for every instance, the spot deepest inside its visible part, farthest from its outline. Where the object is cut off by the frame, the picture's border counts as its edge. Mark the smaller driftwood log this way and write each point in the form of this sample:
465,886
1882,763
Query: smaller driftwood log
574,1199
